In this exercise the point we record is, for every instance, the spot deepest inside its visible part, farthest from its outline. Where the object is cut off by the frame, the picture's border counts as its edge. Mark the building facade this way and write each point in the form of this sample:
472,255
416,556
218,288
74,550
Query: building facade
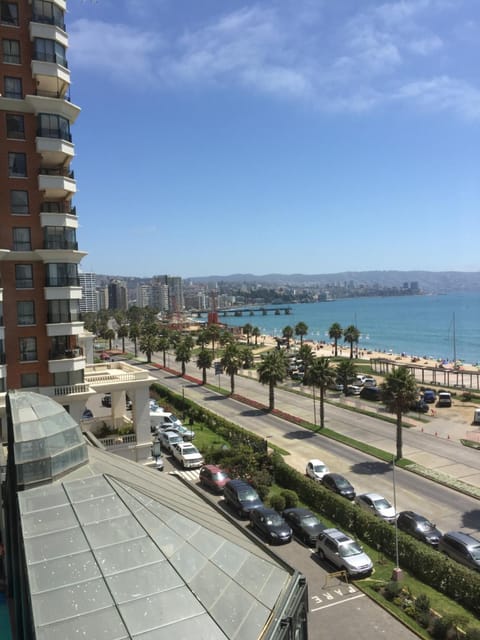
89,300
117,295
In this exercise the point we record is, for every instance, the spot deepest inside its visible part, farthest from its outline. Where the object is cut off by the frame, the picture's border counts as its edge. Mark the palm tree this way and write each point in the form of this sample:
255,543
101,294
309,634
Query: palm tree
287,333
305,353
148,343
351,335
321,375
204,362
346,373
213,332
247,330
225,337
399,391
202,338
273,369
335,333
247,358
109,334
256,334
122,332
183,353
301,329
163,345
231,362
134,334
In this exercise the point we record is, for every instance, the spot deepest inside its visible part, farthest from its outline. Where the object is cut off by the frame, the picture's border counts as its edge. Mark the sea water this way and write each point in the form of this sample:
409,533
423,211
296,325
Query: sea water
436,326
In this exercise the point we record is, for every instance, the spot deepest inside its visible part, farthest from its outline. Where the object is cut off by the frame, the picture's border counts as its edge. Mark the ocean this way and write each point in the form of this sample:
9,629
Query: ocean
434,326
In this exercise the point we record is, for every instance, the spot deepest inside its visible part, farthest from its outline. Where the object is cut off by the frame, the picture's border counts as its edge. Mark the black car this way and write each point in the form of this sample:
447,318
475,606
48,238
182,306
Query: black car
420,406
271,524
371,393
419,527
107,400
338,484
305,524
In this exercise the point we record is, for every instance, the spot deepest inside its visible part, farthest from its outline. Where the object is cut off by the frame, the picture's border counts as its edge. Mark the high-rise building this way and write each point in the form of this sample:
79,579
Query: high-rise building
89,301
117,295
144,295
39,282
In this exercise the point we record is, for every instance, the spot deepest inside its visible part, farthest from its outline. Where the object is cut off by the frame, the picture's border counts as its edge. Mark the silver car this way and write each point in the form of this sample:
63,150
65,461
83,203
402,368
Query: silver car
343,552
377,505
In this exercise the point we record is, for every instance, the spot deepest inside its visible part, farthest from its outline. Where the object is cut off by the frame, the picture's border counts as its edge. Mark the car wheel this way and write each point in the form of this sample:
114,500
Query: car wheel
321,555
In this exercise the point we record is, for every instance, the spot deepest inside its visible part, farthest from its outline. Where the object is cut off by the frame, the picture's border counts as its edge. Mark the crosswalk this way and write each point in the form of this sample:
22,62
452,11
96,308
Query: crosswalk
192,475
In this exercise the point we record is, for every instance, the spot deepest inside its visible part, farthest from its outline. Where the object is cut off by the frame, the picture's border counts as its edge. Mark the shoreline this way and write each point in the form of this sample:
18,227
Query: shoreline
326,349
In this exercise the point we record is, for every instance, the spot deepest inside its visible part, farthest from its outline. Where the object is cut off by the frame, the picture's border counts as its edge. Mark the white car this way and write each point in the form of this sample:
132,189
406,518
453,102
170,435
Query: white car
353,390
168,438
187,455
343,552
316,469
377,505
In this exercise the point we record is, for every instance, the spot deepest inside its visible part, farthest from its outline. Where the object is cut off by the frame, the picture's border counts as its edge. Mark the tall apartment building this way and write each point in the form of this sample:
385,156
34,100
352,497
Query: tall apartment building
39,283
167,293
89,301
117,295
144,295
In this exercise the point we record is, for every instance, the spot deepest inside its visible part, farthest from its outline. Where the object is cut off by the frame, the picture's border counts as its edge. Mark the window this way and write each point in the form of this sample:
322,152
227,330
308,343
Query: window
25,312
15,126
24,276
49,13
29,380
28,349
11,51
12,87
17,165
68,378
53,126
9,13
63,311
60,238
19,202
22,239
62,275
50,51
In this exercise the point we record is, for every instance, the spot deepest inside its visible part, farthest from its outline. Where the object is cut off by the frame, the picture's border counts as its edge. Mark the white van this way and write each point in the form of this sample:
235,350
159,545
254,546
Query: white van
161,418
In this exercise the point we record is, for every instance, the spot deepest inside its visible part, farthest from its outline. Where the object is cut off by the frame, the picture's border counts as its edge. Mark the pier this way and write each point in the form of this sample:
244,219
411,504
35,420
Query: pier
239,312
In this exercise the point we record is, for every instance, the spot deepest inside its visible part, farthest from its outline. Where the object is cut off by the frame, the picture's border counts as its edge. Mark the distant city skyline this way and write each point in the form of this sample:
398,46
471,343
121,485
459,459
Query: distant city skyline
277,136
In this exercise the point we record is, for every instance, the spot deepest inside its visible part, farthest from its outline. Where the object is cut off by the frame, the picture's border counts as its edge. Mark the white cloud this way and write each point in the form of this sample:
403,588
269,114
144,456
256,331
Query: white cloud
444,94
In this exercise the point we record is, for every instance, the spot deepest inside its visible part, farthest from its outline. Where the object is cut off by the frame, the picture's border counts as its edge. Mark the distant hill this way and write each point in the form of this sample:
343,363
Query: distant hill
428,281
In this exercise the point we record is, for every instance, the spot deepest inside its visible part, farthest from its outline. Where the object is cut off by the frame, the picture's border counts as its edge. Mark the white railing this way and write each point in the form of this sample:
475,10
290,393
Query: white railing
115,442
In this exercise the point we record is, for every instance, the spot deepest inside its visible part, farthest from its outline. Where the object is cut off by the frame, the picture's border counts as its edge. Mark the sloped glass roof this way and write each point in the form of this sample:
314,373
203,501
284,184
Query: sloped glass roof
107,561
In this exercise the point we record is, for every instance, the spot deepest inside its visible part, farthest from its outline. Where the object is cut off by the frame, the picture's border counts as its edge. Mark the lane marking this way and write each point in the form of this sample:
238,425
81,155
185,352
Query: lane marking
334,604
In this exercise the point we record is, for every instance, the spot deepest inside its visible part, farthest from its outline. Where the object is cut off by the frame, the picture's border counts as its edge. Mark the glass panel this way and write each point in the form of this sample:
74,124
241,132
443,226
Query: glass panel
127,555
100,509
101,534
98,625
54,545
55,519
86,489
63,571
143,582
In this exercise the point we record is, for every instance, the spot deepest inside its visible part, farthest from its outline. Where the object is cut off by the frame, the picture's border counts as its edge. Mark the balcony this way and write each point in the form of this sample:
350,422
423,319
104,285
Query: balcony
63,292
66,364
58,329
54,149
51,78
57,243
3,357
57,133
61,354
56,183
55,20
64,281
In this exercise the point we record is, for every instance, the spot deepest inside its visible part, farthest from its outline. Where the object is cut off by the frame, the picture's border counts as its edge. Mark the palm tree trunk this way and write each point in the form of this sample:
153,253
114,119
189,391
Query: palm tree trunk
183,368
336,347
204,376
271,397
164,359
399,436
232,383
322,407
351,350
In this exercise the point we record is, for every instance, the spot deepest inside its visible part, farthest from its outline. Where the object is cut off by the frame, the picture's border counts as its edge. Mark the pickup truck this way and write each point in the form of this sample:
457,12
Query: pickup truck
187,455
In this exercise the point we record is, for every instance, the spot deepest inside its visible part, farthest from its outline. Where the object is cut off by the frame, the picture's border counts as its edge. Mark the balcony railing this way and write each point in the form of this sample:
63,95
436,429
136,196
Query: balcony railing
52,94
56,21
61,244
58,207
50,57
63,354
65,281
62,318
48,132
60,171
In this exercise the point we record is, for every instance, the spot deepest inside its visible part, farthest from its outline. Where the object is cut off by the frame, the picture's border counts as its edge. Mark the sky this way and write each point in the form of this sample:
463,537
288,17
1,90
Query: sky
220,137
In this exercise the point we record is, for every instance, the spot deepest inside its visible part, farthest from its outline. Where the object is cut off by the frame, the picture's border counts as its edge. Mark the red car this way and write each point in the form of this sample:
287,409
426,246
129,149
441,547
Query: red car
213,478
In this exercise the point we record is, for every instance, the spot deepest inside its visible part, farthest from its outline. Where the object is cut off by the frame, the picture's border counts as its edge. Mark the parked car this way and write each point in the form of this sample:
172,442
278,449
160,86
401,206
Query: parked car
429,396
87,414
316,469
107,400
187,455
168,438
305,524
336,386
213,478
369,382
420,405
461,547
186,434
338,484
241,497
377,505
444,399
371,393
419,527
344,553
353,390
271,524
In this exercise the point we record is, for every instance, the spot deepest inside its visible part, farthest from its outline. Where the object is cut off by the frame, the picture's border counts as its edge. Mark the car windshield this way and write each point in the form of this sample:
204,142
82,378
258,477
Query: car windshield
189,450
173,418
249,495
382,503
349,549
310,521
425,525
219,475
274,519
342,483
319,468
475,553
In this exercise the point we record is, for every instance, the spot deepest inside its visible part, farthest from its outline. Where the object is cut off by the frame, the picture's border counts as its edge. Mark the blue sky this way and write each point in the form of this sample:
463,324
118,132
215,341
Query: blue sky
276,136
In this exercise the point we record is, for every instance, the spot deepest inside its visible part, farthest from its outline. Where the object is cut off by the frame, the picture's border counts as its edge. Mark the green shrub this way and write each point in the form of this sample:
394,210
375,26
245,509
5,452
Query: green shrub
277,502
440,628
422,603
392,590
291,498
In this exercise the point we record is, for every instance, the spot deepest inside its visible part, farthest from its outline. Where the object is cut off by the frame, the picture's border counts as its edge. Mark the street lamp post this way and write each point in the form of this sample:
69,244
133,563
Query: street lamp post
397,573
